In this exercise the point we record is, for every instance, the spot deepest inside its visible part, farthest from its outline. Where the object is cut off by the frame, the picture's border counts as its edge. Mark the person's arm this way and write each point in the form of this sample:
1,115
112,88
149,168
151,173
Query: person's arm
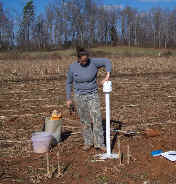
69,83
106,78
103,62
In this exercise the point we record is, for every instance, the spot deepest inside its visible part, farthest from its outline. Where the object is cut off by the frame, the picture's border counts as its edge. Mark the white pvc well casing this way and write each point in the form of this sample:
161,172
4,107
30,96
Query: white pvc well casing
107,88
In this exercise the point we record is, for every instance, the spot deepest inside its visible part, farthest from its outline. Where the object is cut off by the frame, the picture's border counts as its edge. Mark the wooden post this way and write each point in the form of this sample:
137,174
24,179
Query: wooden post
59,172
48,166
128,154
119,152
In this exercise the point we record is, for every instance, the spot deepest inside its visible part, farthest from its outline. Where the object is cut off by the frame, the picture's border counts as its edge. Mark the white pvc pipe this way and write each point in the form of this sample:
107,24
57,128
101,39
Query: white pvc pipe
107,88
108,145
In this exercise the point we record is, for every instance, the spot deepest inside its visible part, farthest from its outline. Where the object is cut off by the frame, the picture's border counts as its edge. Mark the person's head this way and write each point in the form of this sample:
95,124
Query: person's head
83,56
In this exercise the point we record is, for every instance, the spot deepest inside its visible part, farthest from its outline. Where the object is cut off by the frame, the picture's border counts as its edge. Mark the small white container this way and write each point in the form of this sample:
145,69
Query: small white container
41,141
107,87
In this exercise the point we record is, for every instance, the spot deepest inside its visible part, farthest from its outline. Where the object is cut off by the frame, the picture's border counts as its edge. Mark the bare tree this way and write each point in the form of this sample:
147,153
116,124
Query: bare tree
50,23
172,28
40,33
6,30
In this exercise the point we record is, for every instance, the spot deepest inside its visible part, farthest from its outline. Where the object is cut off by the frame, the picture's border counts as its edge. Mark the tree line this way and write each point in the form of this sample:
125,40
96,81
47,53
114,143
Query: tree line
68,23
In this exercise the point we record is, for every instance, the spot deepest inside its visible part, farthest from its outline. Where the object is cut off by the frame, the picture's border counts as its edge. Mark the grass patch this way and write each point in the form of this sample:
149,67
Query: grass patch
94,52
34,55
133,51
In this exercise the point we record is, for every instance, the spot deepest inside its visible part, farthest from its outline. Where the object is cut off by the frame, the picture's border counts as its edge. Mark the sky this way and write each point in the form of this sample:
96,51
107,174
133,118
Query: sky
17,5
142,4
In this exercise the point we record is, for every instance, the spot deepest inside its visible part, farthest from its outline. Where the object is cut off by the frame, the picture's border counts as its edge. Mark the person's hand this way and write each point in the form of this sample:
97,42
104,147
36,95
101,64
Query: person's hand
103,81
106,78
69,102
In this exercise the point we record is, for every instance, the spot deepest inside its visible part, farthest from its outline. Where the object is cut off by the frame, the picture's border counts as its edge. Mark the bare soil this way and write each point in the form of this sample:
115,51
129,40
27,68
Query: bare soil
138,101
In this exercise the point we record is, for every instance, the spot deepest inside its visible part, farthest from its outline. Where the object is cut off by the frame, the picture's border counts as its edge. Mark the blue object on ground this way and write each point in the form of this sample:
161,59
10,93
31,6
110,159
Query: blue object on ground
156,153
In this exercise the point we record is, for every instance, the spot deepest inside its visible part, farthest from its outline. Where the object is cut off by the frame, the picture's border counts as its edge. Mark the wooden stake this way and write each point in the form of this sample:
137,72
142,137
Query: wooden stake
59,172
119,152
48,166
128,154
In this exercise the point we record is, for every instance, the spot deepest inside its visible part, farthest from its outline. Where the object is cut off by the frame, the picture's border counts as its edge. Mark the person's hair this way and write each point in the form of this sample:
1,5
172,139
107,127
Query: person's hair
81,52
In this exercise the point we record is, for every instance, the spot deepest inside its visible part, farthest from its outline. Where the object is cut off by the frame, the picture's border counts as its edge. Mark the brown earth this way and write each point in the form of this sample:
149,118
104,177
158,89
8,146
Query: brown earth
138,101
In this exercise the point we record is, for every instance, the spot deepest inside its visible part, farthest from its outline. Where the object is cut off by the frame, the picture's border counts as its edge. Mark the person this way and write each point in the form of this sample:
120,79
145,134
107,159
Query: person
82,75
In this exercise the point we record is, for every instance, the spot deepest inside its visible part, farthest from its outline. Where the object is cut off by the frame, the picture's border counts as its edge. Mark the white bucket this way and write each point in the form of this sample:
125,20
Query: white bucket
41,141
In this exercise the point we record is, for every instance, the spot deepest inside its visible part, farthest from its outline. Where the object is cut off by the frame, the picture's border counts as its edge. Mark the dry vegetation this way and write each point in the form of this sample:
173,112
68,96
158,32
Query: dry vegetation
143,96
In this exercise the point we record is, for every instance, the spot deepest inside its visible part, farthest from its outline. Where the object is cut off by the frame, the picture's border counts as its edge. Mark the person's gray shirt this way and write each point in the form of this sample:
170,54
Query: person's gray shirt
83,78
